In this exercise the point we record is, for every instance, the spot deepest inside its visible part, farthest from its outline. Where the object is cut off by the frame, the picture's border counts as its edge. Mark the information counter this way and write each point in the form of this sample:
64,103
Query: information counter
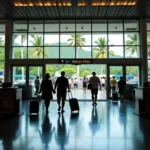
11,101
142,101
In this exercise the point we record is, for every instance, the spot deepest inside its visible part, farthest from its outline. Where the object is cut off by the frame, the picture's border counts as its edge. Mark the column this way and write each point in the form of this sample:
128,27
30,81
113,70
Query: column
143,41
8,51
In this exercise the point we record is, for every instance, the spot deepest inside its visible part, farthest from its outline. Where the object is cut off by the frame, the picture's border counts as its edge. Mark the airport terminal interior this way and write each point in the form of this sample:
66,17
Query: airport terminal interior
108,37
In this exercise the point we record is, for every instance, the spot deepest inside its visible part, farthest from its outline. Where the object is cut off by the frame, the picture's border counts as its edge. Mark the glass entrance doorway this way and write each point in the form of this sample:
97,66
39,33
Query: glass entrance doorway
76,75
35,74
131,76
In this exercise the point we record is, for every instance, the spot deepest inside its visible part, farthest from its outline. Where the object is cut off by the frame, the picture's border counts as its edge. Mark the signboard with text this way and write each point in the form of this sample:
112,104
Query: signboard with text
76,61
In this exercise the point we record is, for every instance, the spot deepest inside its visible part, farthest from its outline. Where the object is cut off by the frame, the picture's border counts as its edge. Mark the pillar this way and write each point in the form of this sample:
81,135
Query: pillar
8,51
143,41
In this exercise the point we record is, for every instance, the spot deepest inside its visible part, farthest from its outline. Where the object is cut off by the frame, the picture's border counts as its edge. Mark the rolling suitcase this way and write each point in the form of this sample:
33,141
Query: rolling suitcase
34,107
115,96
73,102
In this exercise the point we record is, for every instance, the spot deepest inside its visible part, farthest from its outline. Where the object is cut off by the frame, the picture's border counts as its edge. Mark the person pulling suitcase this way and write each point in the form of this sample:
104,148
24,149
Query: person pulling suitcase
61,85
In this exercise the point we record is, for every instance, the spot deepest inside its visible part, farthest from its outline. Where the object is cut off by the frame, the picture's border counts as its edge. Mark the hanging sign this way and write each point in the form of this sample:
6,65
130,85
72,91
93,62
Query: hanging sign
76,61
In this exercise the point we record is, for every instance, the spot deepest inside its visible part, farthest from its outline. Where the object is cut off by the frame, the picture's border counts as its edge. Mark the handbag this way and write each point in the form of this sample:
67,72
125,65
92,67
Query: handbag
89,86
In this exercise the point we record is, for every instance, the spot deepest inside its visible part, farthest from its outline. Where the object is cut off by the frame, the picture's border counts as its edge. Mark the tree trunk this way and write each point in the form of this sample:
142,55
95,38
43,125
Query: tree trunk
101,70
78,69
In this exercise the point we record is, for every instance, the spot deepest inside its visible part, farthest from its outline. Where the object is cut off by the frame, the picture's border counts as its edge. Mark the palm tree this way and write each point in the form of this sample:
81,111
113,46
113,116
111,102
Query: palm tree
131,44
101,50
37,51
77,41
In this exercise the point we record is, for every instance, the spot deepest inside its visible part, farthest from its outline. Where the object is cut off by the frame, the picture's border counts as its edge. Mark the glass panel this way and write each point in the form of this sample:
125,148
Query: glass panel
115,51
115,25
132,52
148,52
131,25
99,25
2,27
148,26
67,26
35,40
51,26
132,38
35,52
67,39
67,52
115,38
51,52
1,72
19,52
19,39
33,73
148,70
35,26
99,39
132,75
83,25
20,26
19,76
148,44
117,72
99,52
2,39
85,52
83,39
51,39
2,53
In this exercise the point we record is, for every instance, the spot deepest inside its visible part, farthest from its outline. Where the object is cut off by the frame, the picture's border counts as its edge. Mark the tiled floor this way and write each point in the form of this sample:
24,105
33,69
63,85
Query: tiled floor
108,126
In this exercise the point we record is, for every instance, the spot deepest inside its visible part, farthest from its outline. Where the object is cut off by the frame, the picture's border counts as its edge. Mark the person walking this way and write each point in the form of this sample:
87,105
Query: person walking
95,81
84,85
113,84
121,87
46,90
37,85
62,84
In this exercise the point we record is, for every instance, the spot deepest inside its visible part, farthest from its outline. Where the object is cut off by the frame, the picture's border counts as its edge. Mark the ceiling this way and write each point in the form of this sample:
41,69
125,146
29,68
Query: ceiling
73,9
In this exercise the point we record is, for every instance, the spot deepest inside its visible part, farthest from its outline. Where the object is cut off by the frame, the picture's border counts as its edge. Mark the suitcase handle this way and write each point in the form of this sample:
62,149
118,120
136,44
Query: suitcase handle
69,95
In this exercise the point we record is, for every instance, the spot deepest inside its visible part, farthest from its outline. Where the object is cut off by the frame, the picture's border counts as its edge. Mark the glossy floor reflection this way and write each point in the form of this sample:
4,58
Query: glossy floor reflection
108,126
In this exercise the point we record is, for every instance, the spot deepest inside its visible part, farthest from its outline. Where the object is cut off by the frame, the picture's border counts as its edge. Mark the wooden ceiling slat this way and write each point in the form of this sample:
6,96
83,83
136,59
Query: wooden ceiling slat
8,10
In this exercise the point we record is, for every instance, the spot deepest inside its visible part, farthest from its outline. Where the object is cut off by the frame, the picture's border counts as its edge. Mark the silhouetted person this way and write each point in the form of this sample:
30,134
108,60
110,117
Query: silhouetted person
37,84
84,85
61,136
113,84
95,81
47,132
121,86
62,84
47,89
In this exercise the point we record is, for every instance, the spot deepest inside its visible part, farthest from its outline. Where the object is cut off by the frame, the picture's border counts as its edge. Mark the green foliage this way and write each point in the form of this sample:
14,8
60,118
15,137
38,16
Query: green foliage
37,51
76,40
101,49
49,69
85,73
69,71
131,45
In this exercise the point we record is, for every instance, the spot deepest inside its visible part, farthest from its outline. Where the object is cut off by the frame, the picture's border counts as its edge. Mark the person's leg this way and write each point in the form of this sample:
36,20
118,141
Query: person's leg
58,101
96,92
47,103
92,93
63,101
